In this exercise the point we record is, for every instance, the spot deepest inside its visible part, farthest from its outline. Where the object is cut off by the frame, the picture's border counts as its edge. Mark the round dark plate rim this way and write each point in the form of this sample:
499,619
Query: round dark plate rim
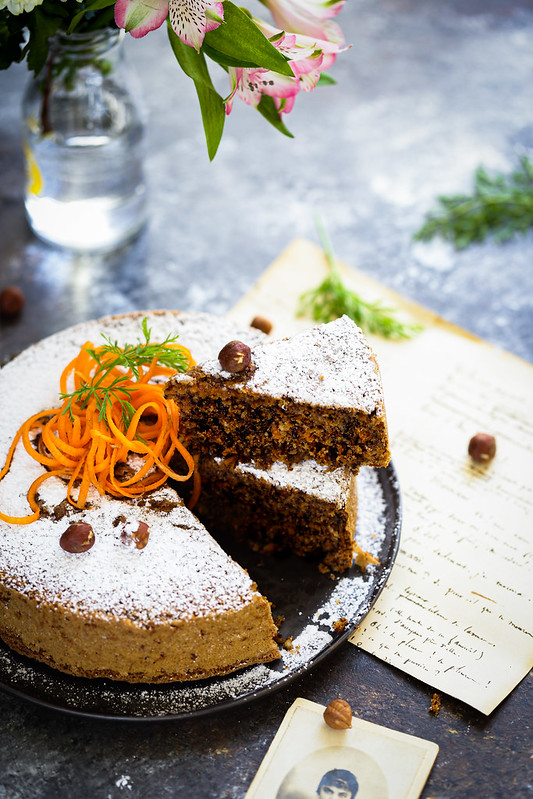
388,477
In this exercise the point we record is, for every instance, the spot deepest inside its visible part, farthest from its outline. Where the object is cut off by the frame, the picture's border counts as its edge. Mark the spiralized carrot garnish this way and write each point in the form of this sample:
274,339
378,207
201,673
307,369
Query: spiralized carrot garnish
116,410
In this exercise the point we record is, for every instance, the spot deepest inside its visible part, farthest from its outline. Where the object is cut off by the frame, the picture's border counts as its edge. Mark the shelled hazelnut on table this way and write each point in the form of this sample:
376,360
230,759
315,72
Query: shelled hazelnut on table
11,302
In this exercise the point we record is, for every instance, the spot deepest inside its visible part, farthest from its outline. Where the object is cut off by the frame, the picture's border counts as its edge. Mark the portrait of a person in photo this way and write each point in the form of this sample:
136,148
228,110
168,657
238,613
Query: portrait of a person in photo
337,783
340,772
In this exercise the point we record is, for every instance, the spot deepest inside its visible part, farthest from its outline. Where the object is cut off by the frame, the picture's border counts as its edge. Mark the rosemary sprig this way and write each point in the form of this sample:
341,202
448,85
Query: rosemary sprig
331,299
128,357
499,205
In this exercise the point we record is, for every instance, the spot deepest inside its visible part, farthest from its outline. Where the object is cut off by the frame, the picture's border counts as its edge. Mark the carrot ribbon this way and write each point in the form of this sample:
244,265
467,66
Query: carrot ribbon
87,443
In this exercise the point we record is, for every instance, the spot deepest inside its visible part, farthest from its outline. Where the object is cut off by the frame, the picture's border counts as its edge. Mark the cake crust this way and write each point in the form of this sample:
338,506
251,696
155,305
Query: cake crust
120,649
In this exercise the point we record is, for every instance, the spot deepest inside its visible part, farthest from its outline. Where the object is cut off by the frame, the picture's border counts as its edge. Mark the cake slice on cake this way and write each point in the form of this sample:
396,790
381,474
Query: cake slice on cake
317,395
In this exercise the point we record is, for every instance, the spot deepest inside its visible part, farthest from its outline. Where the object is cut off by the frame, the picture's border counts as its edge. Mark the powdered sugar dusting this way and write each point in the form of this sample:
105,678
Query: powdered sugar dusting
330,364
350,597
307,476
180,573
111,578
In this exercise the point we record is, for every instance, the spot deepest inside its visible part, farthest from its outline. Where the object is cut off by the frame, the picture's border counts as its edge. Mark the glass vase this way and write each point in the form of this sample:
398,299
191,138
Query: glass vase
83,145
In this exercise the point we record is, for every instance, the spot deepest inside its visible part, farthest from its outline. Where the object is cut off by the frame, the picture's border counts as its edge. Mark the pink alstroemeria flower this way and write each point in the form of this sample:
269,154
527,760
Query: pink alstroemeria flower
307,58
308,17
190,19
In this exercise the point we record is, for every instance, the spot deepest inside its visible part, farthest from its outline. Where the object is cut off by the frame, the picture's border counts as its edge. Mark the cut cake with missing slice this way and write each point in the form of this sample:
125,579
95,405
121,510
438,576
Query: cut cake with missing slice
178,608
317,395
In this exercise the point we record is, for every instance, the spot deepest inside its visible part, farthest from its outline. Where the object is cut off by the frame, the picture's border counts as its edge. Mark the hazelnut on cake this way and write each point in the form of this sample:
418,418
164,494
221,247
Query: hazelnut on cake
317,395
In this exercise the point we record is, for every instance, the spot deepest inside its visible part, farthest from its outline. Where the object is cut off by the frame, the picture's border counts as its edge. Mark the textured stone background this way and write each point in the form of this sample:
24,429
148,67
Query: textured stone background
428,91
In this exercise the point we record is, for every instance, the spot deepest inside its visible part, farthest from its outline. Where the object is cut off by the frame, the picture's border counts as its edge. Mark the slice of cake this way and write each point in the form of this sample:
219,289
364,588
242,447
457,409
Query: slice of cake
306,509
317,395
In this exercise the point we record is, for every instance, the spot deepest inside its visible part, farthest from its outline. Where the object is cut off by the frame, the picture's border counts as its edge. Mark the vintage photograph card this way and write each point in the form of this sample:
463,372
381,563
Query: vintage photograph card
307,759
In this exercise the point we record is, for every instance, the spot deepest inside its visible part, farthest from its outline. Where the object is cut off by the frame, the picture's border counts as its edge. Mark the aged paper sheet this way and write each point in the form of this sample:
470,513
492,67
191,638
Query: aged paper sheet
457,609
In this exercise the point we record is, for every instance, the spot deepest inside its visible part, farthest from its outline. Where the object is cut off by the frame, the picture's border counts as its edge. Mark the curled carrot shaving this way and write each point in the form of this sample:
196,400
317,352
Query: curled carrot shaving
91,437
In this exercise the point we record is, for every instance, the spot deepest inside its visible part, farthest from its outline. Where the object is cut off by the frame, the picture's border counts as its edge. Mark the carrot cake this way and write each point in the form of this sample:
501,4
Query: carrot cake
143,593
307,509
317,395
177,608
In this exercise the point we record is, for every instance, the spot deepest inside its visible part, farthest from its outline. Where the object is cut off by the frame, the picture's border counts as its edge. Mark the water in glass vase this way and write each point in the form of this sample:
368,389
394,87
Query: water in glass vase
83,145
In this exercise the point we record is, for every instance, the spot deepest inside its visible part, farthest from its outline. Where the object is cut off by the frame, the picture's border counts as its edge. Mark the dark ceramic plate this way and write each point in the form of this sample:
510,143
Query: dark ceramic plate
309,602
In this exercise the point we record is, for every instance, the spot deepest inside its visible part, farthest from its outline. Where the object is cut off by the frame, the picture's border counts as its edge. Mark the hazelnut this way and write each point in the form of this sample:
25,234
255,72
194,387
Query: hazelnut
78,537
11,302
338,715
235,357
482,447
262,323
135,534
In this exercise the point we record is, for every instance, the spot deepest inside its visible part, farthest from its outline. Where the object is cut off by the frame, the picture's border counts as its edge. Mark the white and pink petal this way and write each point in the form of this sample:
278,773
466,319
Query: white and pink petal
139,17
297,17
285,104
251,84
190,20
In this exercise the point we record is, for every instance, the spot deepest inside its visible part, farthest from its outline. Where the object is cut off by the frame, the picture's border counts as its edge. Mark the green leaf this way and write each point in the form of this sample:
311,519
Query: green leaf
97,5
213,116
267,108
191,62
211,103
326,80
11,38
100,19
42,27
239,38
222,58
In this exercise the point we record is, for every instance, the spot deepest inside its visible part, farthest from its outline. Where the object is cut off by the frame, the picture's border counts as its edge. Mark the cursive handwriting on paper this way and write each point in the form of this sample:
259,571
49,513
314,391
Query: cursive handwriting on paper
457,609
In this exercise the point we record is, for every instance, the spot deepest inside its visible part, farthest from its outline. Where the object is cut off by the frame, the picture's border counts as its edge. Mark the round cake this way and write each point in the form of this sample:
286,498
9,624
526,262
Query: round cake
178,608
147,594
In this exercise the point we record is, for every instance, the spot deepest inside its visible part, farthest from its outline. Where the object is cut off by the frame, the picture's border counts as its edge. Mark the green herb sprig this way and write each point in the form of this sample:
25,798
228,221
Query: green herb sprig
331,299
500,206
128,357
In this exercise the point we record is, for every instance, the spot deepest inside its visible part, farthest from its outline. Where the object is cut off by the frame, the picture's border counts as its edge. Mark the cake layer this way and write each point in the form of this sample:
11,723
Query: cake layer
306,509
317,395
